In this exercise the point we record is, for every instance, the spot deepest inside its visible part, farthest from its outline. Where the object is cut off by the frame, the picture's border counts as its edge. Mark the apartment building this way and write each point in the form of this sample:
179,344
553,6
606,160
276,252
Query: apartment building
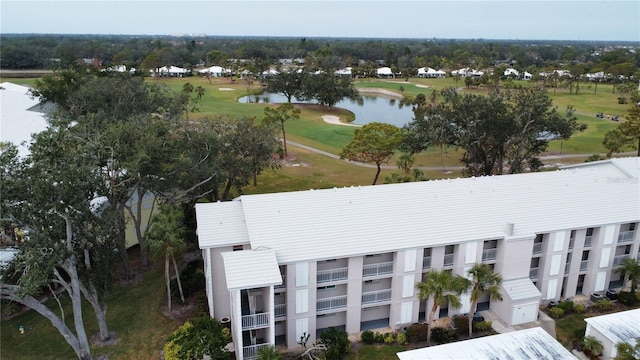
283,267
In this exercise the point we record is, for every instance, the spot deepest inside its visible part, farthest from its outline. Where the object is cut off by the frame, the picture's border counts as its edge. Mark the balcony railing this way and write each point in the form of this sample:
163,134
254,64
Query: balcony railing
376,296
489,254
587,241
251,352
583,265
537,248
426,262
377,269
448,260
626,236
284,283
533,273
255,321
280,310
331,303
332,275
617,261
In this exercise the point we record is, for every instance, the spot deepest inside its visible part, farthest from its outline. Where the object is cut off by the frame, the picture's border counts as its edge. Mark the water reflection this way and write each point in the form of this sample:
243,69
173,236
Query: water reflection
367,108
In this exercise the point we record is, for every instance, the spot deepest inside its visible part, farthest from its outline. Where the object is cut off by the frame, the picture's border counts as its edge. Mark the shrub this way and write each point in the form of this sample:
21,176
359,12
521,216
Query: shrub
401,339
389,339
483,325
579,308
417,332
443,334
627,298
337,343
603,305
367,337
378,338
567,306
556,312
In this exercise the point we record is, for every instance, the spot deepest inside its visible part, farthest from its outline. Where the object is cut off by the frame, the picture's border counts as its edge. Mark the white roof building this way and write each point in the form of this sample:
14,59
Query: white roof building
615,328
528,344
350,257
20,116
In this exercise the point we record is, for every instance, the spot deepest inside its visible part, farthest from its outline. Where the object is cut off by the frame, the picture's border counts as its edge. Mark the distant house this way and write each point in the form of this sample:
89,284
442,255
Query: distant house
172,71
215,71
532,343
384,72
614,328
431,73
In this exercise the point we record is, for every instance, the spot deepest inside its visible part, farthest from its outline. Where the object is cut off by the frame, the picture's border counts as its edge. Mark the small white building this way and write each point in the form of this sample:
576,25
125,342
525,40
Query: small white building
529,344
215,71
614,328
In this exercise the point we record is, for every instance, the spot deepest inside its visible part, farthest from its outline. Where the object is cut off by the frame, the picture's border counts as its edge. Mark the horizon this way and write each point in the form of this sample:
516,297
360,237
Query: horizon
597,21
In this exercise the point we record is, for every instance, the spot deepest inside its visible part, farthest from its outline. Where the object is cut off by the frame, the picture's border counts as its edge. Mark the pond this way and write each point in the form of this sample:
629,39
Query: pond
368,109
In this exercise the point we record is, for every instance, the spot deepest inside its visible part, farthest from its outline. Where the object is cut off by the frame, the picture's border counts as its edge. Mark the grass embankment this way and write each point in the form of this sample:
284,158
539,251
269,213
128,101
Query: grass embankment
134,313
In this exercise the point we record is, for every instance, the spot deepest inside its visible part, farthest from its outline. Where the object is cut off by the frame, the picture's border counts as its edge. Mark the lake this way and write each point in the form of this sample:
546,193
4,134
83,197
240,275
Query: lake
370,108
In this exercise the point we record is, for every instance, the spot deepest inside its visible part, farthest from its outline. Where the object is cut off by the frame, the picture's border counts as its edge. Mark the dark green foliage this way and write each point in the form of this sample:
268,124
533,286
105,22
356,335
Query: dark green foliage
567,306
416,333
367,337
443,334
627,298
337,343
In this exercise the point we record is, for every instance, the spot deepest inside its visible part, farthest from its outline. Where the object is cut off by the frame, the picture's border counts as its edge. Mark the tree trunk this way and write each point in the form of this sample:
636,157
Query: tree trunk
175,266
375,179
431,315
472,311
10,294
168,281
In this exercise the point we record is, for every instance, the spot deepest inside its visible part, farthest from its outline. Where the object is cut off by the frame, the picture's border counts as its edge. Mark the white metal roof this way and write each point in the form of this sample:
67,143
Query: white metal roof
221,225
19,116
248,269
534,344
618,327
521,289
343,222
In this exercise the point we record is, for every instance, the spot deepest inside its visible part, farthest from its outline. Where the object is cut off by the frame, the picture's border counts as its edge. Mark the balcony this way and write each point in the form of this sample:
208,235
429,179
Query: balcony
426,262
280,310
376,296
377,269
284,283
255,321
251,352
331,303
537,248
448,259
626,236
587,241
617,261
583,265
533,273
489,254
324,276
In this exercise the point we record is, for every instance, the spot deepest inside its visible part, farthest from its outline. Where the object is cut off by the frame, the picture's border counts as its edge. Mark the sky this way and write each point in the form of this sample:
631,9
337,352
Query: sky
608,20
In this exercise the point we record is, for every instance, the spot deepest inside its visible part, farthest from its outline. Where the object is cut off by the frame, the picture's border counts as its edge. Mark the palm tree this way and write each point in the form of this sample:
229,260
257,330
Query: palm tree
592,345
483,280
630,271
268,353
165,238
443,287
